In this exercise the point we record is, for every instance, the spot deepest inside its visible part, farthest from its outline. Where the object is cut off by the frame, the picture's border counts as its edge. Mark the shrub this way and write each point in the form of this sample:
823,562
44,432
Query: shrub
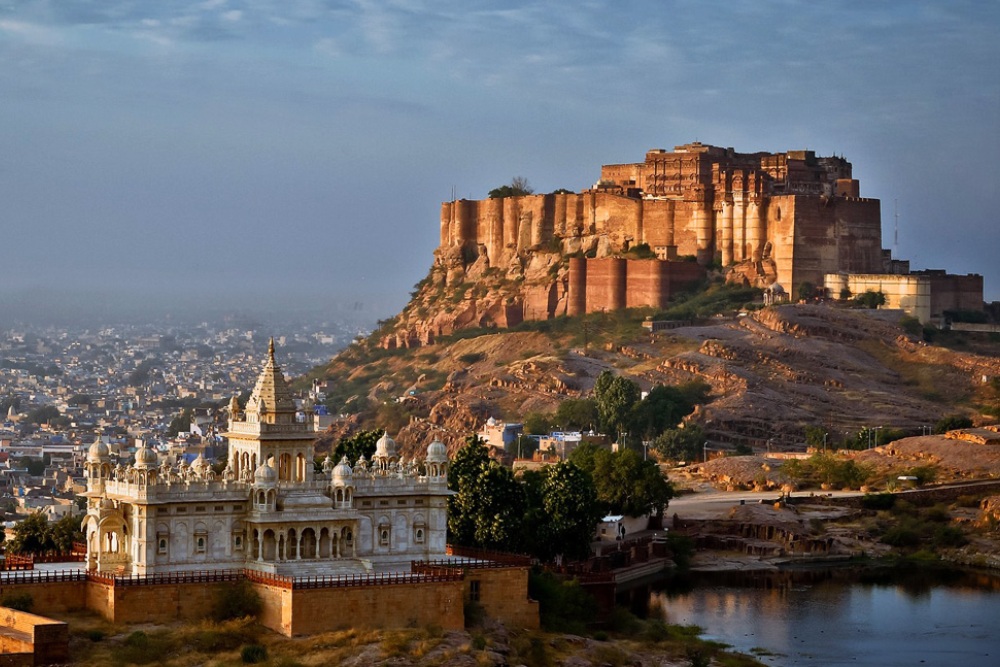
253,653
235,601
471,358
878,501
18,601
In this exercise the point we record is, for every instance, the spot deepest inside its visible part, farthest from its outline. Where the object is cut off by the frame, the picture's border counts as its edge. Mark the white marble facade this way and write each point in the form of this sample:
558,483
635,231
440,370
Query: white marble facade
268,510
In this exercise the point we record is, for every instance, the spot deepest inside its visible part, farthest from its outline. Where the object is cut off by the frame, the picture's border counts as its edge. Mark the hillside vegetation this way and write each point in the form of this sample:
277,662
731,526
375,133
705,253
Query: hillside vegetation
775,374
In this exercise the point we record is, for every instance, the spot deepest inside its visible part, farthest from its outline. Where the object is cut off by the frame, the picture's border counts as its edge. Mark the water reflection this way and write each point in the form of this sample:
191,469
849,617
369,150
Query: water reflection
881,616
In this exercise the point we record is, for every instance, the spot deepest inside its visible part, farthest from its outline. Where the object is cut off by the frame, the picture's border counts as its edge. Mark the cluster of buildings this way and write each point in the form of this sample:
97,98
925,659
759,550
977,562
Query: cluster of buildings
352,543
127,387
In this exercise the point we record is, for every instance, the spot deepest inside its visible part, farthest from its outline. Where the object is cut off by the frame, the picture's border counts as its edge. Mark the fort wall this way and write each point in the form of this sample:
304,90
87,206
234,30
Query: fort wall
613,283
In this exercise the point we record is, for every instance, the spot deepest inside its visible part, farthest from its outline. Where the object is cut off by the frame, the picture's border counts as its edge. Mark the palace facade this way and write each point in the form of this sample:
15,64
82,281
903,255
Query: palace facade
268,510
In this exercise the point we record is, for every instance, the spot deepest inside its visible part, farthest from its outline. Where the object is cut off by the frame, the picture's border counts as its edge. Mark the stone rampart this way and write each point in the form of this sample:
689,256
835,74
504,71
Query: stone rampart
614,283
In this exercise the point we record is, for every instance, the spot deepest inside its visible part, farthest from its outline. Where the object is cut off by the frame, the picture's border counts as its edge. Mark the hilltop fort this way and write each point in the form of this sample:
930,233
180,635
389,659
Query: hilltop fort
646,229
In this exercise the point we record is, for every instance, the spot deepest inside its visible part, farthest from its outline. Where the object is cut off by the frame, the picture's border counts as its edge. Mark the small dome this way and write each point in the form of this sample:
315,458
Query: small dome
342,470
385,448
107,504
145,457
491,422
777,289
437,452
265,474
98,451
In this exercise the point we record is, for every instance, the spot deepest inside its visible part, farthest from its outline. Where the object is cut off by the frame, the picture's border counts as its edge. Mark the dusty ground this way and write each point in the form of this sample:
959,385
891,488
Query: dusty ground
773,373
96,643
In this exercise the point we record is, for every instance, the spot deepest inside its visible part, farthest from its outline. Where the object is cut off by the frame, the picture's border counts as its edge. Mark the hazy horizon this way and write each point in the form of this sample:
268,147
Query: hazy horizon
284,154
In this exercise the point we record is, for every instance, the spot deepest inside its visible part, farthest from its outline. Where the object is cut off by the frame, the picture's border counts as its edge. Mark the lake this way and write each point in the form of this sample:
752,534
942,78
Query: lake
879,616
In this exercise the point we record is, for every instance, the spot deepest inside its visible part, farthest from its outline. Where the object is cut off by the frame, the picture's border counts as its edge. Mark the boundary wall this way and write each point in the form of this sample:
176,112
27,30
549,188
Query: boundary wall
291,606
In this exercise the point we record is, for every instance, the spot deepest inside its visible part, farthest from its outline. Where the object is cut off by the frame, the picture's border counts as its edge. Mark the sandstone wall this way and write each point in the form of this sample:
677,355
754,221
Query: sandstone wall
386,606
45,640
503,594
51,597
613,283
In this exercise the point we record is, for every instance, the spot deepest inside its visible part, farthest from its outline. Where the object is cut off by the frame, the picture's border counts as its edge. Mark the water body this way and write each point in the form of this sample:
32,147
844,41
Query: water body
883,617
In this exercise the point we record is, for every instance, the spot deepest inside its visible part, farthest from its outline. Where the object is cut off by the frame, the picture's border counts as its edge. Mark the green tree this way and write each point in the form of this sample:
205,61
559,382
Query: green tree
180,423
806,290
571,511
64,532
623,481
79,399
577,414
463,473
681,444
31,535
35,467
665,406
498,506
615,397
537,423
43,414
951,423
518,187
870,299
361,443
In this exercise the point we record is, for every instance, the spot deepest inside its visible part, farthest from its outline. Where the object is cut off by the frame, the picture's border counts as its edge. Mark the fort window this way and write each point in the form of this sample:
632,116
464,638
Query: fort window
182,510
161,545
366,503
383,536
199,544
418,535
418,501
383,502
400,502
238,542
200,508
220,508
474,590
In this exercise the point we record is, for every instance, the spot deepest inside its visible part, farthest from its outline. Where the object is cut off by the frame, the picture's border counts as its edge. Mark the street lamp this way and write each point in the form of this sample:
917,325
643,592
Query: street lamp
824,441
705,456
769,445
645,449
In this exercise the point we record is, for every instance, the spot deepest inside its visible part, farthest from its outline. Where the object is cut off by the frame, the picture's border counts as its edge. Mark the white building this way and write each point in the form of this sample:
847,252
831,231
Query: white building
267,510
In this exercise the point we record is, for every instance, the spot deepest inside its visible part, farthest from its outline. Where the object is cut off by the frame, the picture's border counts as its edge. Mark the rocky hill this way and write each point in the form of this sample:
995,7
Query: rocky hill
773,373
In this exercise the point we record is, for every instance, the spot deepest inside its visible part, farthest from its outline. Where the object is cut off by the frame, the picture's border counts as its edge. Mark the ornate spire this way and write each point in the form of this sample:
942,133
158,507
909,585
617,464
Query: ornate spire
271,394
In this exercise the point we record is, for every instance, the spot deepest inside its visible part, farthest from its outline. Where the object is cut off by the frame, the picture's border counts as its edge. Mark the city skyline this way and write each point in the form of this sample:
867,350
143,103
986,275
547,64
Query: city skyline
264,153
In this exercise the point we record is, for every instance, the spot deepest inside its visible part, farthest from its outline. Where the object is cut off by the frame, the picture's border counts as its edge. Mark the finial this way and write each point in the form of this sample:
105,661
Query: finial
270,350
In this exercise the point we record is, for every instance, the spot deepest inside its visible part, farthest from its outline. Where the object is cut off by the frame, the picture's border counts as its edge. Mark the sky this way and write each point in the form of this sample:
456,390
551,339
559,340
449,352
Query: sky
270,153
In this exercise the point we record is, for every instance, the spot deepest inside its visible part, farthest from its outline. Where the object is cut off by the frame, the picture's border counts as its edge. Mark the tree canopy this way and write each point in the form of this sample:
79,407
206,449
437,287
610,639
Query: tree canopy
518,187
547,512
625,483
353,447
37,535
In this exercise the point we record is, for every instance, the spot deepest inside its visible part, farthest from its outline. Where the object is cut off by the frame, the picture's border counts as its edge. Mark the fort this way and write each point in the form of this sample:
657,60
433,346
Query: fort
645,230
790,217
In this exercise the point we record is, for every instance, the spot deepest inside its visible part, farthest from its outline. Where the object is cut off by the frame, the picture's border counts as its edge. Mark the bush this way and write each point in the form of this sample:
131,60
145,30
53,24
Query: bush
235,601
253,653
878,501
471,358
18,601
